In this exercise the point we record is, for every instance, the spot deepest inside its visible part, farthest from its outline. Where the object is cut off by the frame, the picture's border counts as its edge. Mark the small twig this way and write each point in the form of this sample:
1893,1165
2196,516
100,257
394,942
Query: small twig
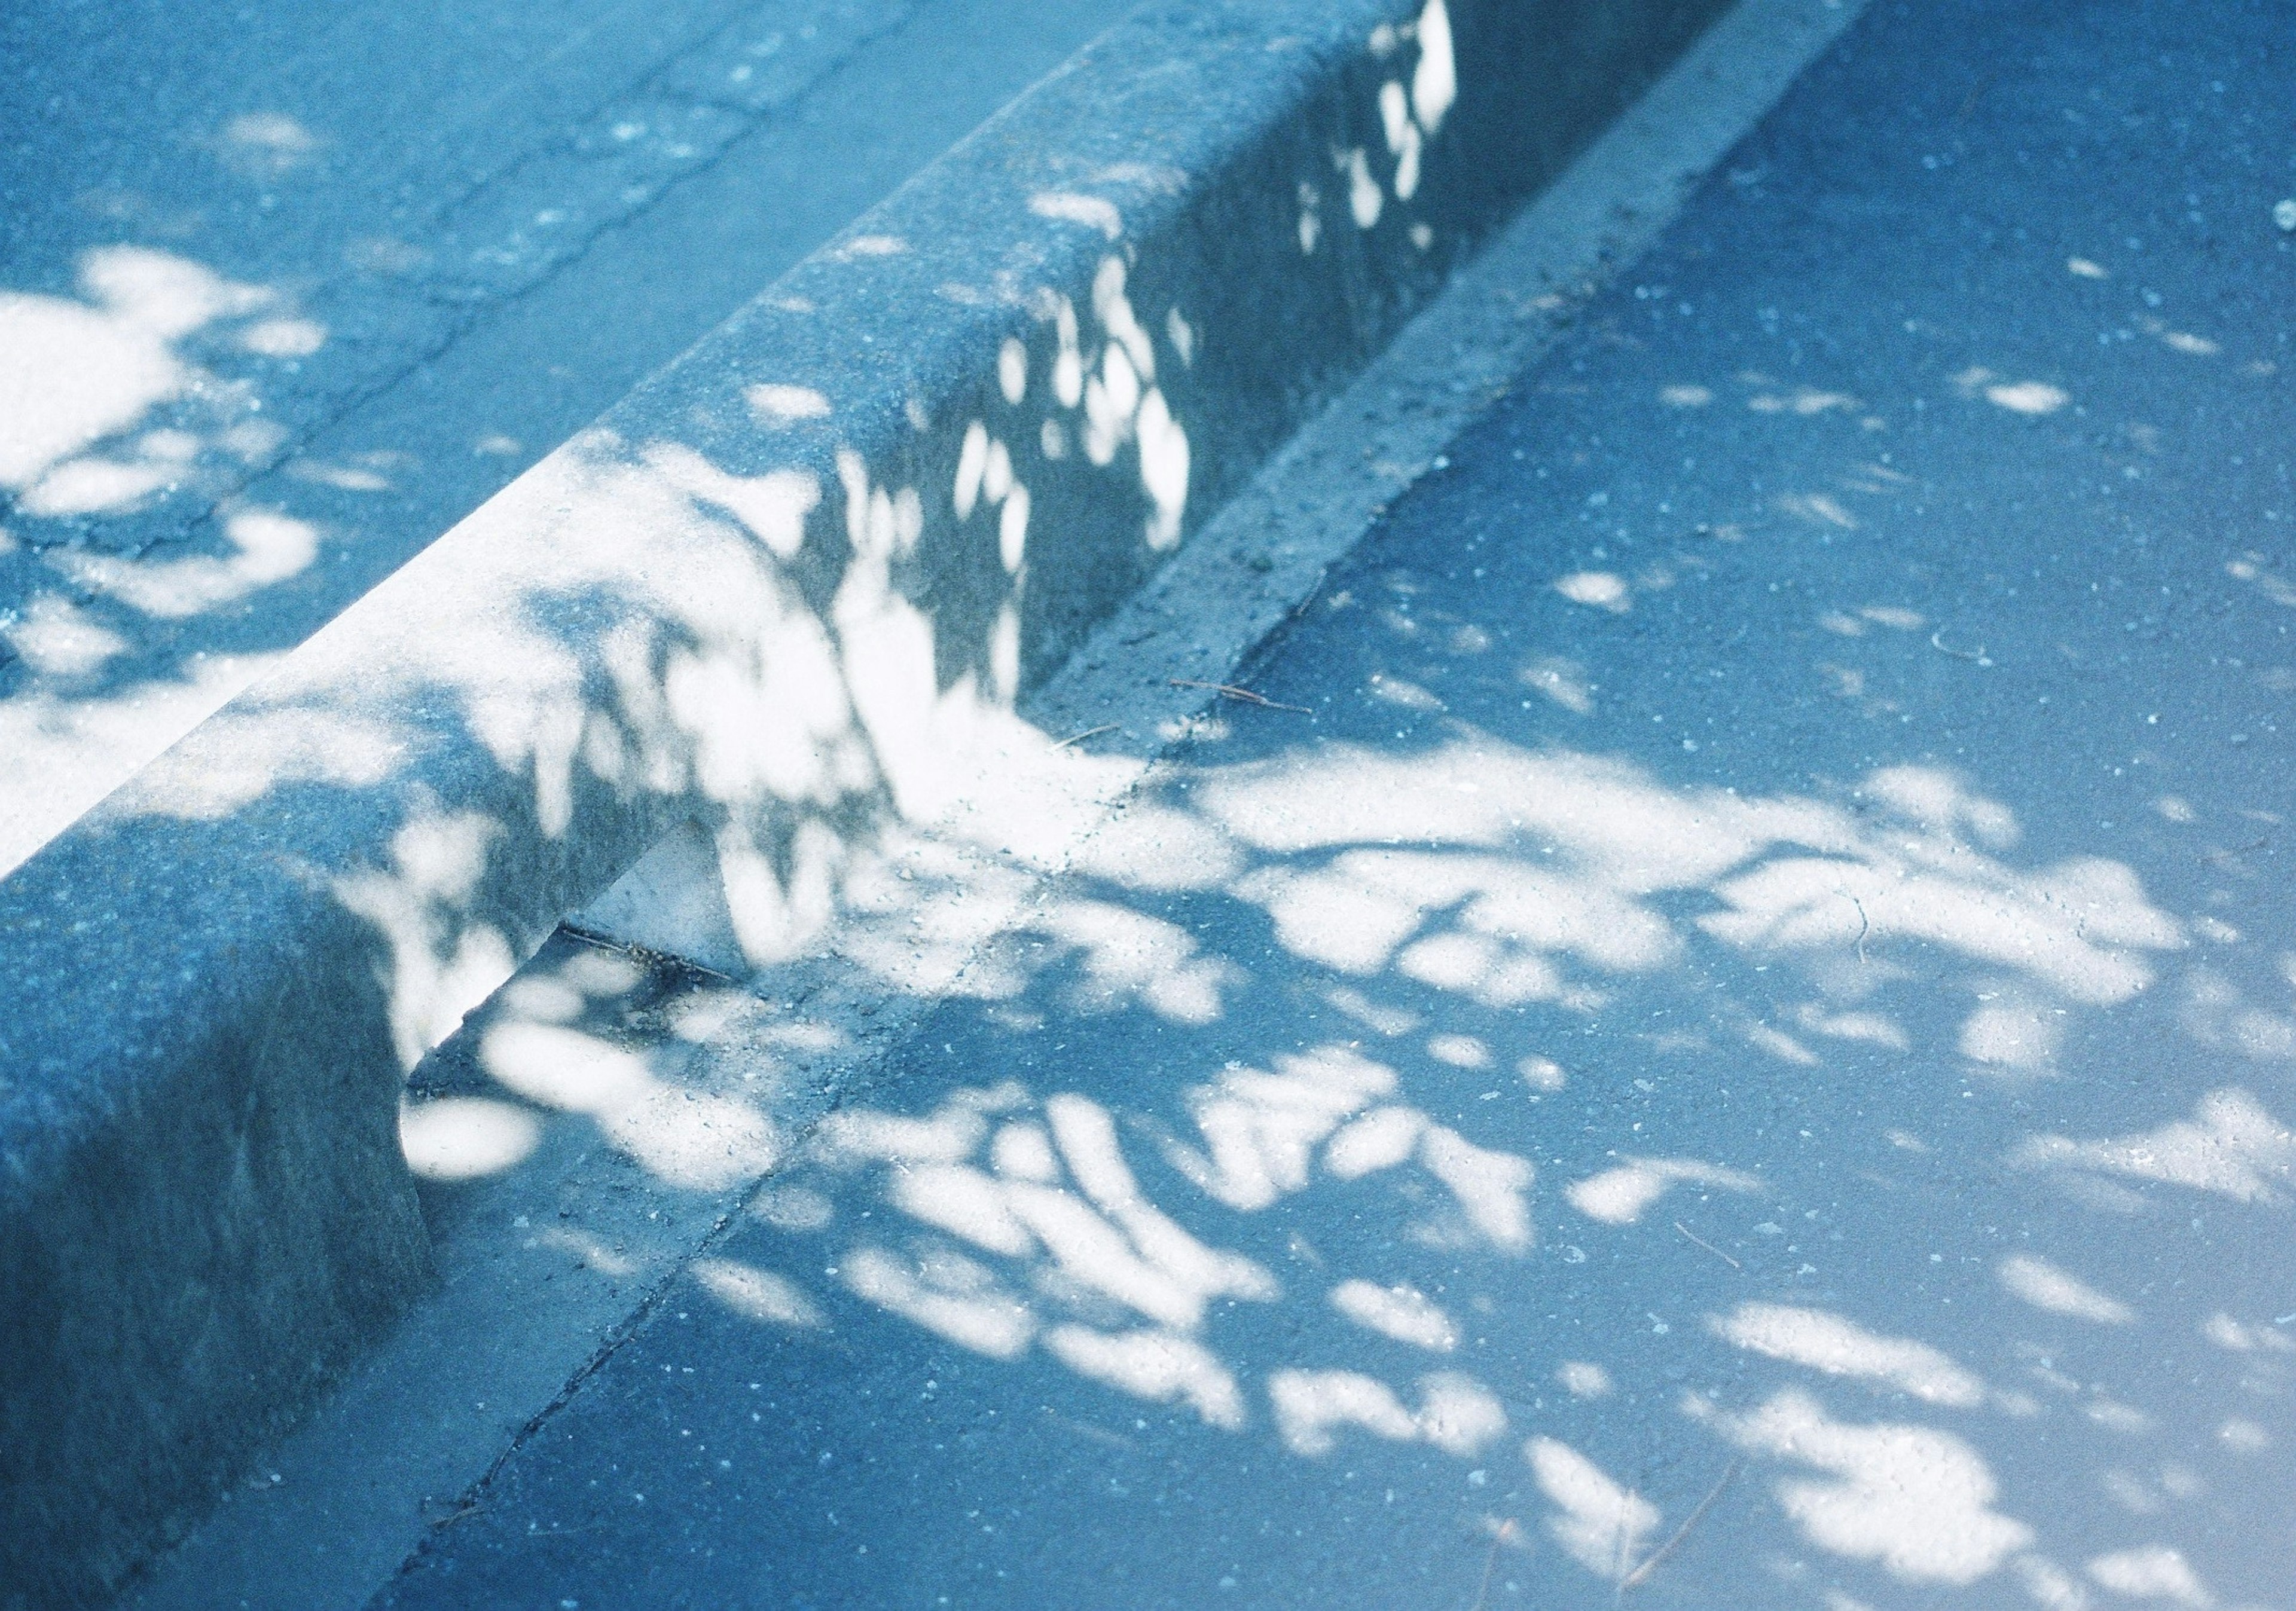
2226,856
1864,928
1641,1575
1709,1247
1307,599
1245,694
1937,642
1969,101
1089,732
644,956
456,1511
1500,1534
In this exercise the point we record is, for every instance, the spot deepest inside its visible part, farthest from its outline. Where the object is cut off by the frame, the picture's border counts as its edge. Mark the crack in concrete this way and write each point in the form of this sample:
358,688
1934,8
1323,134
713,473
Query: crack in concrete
468,303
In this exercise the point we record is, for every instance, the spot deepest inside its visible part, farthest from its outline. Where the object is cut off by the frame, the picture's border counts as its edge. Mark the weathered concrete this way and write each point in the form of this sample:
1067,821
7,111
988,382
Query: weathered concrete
559,1211
785,592
1726,1040
180,508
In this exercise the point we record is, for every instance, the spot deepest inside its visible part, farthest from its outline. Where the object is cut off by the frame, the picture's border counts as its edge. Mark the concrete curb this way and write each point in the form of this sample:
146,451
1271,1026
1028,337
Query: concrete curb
782,595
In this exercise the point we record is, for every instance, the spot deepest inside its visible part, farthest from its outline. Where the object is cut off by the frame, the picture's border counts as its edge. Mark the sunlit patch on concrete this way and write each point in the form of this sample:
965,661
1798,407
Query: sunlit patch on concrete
1804,401
693,1139
2045,1287
775,403
1542,1074
2012,1032
1160,1366
269,548
60,639
1459,1051
2154,1572
1260,1129
2226,1332
1458,1415
1365,200
1603,589
1599,1522
1130,955
284,338
442,966
1093,212
1817,509
2049,1585
2232,1146
1355,912
863,246
948,1294
1868,1028
465,1138
2256,569
1584,1378
2243,1436
854,1135
1312,1407
793,1208
1402,1313
265,145
773,506
2219,1013
1916,1501
77,376
49,733
1379,1139
2031,398
1829,1343
1623,1195
758,1294
964,1202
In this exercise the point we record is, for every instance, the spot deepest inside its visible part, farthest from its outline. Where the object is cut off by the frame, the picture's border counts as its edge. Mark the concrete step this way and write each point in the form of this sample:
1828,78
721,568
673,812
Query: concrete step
338,287
1715,1027
598,1121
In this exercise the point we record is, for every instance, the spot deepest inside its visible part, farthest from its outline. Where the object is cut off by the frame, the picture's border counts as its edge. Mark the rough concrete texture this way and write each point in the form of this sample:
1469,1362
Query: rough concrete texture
255,355
1723,1040
784,591
586,1132
241,242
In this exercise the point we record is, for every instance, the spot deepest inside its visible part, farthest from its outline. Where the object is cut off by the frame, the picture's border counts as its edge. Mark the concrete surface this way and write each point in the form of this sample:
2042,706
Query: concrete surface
558,1206
740,600
204,191
1721,1038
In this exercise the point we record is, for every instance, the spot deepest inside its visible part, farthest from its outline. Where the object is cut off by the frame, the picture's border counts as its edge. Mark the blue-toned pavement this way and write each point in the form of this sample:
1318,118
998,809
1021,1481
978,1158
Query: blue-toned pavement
1723,1040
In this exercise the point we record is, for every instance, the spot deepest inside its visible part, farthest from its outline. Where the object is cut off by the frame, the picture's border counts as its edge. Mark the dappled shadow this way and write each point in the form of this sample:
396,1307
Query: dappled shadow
1517,1124
1704,1051
267,332
769,640
770,620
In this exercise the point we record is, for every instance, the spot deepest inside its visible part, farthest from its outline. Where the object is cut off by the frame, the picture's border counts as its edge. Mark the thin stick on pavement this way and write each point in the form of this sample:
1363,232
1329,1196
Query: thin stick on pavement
1245,694
1641,1575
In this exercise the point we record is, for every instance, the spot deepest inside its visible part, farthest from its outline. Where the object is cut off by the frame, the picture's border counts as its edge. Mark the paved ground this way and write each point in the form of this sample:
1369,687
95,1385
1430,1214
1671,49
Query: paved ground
1725,1041
281,298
